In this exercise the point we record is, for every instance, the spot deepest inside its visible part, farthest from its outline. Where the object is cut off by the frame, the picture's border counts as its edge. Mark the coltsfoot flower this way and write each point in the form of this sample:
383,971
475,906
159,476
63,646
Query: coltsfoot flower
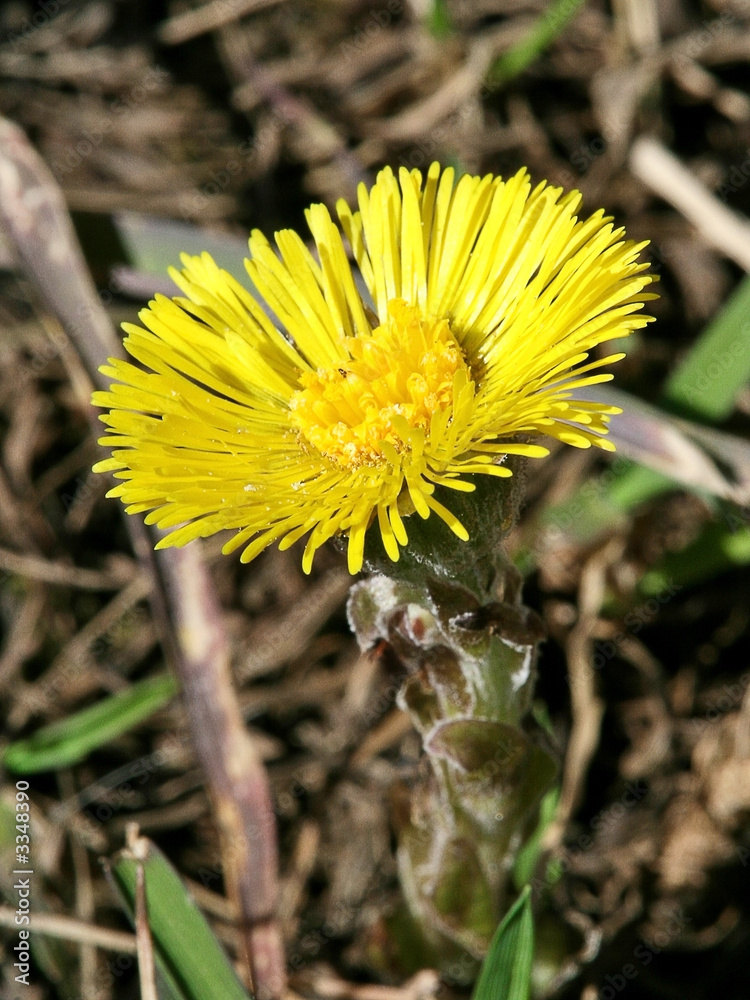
485,298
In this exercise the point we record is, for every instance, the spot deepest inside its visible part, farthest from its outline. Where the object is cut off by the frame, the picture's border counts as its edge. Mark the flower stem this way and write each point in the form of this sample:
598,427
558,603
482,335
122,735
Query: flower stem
469,656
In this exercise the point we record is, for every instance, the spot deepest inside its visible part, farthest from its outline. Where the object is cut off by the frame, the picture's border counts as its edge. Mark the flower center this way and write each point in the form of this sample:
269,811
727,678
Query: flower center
393,381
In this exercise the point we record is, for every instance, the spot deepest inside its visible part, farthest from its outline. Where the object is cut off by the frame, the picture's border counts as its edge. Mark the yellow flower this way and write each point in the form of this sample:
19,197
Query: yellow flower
484,300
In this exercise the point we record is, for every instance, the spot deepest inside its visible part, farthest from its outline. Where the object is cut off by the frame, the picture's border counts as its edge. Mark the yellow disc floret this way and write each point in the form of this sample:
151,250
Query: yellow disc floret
404,371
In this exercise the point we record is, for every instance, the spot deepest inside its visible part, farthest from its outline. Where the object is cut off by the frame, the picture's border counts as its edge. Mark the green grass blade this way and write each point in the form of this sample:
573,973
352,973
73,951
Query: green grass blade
527,858
706,384
636,485
439,20
506,972
71,740
544,31
189,959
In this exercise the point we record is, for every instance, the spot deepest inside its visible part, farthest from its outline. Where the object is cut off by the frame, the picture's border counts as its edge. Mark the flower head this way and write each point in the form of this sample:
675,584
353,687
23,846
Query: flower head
483,300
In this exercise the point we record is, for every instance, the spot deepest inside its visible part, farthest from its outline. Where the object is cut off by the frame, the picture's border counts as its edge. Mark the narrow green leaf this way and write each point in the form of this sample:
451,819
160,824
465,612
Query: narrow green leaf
71,740
527,858
544,31
190,960
506,972
637,485
439,22
706,384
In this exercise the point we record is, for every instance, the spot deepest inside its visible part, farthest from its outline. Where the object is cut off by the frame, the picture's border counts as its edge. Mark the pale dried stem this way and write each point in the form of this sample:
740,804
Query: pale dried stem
144,941
189,24
63,574
68,929
665,175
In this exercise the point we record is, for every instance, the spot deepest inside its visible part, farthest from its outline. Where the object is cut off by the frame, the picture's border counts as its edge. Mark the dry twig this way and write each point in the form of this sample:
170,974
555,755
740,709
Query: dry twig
69,929
144,941
720,227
